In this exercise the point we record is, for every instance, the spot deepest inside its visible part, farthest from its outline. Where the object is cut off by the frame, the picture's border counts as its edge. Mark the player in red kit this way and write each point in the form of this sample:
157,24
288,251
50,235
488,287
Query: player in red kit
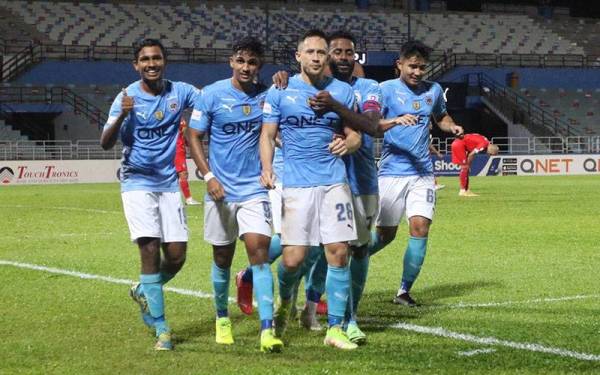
464,150
181,165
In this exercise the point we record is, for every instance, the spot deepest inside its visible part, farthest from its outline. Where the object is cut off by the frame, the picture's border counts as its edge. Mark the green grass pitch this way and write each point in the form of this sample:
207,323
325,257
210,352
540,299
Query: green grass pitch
510,285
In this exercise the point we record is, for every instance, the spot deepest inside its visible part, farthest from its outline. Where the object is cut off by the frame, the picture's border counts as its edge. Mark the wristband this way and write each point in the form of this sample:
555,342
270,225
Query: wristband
208,176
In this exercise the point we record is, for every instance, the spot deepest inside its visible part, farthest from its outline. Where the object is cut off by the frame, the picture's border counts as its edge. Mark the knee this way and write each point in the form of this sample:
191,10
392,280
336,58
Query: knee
419,231
360,252
291,264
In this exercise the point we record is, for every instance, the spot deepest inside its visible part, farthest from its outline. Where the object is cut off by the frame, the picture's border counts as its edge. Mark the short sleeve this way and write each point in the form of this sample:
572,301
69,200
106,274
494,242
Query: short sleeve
271,110
371,100
200,118
439,104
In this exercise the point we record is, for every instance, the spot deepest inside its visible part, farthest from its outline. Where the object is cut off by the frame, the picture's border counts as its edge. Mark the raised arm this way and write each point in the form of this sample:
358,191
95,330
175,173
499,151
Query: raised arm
110,133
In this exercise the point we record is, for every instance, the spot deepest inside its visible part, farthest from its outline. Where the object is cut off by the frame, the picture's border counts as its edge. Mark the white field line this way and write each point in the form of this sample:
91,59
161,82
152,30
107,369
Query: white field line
461,305
532,347
471,353
109,279
435,331
90,210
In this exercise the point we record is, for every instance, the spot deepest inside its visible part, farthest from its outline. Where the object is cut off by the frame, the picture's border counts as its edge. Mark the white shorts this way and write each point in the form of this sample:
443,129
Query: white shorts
225,221
317,215
276,198
156,215
410,196
365,212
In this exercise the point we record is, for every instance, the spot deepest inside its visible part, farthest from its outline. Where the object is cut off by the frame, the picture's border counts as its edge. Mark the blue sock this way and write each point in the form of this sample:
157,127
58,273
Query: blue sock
413,260
151,284
375,244
338,291
318,273
166,276
287,281
263,290
275,250
359,269
312,295
220,280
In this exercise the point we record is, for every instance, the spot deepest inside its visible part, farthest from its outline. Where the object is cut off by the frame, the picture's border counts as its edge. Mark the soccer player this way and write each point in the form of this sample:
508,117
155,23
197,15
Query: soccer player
464,150
181,165
362,176
236,204
316,199
146,116
406,184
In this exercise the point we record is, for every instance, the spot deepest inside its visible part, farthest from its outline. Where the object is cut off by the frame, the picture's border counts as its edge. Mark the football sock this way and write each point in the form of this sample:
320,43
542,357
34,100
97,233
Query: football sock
220,280
338,290
358,270
263,290
165,277
287,281
153,291
413,260
464,178
275,250
185,188
375,244
318,272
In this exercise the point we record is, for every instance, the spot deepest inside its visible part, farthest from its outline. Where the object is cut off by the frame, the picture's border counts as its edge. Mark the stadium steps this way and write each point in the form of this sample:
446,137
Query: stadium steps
14,27
7,133
582,32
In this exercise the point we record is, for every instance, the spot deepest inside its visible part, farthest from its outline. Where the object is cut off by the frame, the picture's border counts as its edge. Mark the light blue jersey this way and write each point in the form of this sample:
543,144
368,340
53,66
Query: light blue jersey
360,165
406,148
305,134
149,134
233,119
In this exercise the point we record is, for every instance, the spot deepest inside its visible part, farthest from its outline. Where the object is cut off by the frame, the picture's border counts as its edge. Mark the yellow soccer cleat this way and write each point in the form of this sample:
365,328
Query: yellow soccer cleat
164,342
269,343
223,333
337,338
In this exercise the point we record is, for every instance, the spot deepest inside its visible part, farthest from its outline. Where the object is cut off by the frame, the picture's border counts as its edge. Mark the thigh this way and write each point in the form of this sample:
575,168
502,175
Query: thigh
336,214
220,224
300,222
254,216
173,221
392,200
420,200
142,214
365,210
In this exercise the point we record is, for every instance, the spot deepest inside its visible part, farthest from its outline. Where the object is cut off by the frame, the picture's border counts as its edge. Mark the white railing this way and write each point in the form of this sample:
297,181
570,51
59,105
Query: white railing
90,149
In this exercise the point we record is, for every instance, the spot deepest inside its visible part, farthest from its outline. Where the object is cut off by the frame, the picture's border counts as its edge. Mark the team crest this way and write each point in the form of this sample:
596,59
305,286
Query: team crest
246,109
173,106
416,105
159,115
428,100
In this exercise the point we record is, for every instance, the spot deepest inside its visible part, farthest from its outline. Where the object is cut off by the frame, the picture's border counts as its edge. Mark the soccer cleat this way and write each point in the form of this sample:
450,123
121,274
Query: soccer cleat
281,318
269,343
404,299
141,300
355,334
244,293
309,321
164,342
322,307
191,201
467,193
337,338
439,187
223,333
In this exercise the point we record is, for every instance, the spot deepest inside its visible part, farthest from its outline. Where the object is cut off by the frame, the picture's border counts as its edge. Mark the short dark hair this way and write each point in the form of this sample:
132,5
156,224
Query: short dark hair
250,44
147,42
414,48
342,34
313,33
